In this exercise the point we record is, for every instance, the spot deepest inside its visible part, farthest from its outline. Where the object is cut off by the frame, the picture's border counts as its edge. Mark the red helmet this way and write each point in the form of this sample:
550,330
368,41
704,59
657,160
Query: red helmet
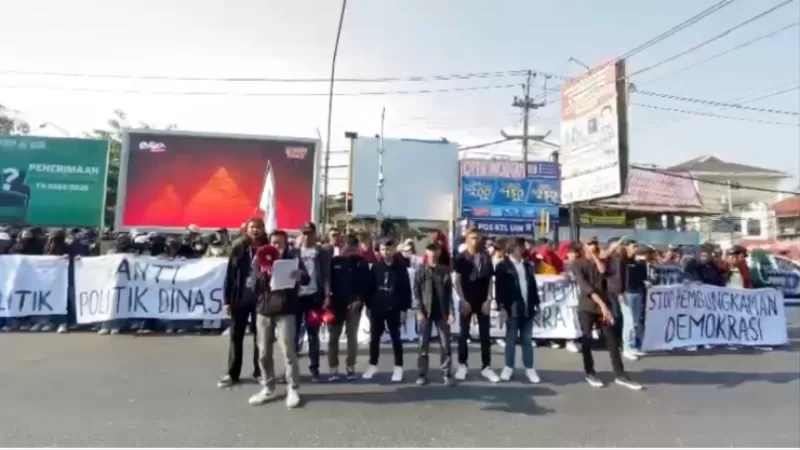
266,256
328,317
314,318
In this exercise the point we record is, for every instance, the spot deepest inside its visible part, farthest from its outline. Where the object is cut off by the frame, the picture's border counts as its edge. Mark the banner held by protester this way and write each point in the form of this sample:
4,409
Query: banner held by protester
33,285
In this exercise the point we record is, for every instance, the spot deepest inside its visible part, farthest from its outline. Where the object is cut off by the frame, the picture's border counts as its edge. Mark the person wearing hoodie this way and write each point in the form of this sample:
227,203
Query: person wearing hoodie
759,265
390,299
705,269
56,246
240,299
5,246
433,303
27,244
350,277
276,316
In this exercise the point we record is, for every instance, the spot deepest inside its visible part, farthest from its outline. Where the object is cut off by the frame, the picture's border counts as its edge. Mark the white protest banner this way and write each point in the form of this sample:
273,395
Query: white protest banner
700,314
33,285
142,287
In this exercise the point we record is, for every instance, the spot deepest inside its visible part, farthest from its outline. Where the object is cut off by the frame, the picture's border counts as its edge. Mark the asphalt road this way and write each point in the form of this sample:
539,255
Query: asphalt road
85,390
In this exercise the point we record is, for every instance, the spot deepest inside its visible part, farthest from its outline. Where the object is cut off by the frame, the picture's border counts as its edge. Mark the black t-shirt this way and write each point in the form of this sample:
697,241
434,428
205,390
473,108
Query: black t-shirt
475,273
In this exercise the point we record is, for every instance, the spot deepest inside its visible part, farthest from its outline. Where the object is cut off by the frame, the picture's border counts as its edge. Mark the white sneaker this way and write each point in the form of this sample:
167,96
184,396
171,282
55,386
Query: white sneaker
534,344
595,334
370,372
227,332
62,329
115,331
533,377
46,327
640,353
5,329
555,345
707,347
461,372
102,331
397,374
733,348
692,348
572,347
35,327
764,349
630,355
506,373
501,343
292,398
263,396
489,374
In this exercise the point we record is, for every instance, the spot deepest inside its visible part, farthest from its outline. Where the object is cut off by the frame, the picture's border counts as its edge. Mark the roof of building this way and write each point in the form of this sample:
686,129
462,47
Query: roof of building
716,164
787,207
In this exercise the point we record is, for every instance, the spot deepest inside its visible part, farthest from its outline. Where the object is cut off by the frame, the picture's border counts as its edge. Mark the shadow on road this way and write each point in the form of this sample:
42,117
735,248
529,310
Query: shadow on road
511,399
723,380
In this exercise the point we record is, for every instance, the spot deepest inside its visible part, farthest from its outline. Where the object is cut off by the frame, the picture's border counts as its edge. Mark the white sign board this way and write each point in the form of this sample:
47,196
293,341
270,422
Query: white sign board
592,149
33,285
700,314
141,287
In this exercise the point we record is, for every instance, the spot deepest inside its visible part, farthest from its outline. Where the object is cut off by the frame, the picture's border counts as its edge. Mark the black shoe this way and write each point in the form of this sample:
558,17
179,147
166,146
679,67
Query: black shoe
257,376
422,380
594,381
315,376
351,373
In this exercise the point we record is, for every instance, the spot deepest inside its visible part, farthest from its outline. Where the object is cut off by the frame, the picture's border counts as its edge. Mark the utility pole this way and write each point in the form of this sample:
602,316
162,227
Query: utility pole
526,103
379,191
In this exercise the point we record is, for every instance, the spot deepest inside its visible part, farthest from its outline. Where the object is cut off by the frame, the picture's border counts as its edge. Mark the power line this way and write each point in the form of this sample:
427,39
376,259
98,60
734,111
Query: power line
733,185
722,104
261,94
726,52
717,116
715,38
416,78
483,145
677,28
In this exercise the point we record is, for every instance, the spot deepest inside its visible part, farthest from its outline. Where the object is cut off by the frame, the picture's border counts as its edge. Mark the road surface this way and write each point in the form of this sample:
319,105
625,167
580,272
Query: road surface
85,390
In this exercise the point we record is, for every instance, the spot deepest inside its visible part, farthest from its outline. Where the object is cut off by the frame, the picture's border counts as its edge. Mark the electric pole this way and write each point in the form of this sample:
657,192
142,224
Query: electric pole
379,192
526,103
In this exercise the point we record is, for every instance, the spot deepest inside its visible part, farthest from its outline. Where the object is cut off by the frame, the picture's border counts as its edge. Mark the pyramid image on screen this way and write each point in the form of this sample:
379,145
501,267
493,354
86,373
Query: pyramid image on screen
218,201
165,207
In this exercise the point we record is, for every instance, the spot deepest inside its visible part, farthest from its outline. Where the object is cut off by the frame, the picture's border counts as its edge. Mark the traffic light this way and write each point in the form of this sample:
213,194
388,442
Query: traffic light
348,203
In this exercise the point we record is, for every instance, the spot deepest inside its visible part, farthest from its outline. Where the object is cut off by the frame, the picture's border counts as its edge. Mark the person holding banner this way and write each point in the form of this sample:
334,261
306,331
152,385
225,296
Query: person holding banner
517,296
433,303
594,305
277,309
240,299
472,279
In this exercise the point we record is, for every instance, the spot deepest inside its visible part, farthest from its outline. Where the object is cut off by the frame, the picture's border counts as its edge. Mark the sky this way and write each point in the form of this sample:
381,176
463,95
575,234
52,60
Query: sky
294,39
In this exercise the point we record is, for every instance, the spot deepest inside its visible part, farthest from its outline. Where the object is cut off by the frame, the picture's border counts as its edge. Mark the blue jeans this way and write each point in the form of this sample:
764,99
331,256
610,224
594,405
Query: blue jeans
519,330
631,311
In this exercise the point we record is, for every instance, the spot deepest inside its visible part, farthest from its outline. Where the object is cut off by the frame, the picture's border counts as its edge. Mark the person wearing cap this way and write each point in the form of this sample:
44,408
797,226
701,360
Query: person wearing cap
472,278
517,294
317,261
387,305
594,310
433,303
350,278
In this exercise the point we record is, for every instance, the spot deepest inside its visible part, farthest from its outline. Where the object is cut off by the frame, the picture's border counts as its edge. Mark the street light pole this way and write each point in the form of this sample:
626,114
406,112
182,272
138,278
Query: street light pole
326,170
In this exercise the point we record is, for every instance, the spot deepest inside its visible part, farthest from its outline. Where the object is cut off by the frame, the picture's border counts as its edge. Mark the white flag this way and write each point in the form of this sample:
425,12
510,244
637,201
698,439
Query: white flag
267,201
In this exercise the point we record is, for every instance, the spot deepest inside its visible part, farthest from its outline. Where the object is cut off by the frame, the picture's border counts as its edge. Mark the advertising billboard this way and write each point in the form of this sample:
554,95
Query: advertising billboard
594,128
171,179
502,189
419,178
52,182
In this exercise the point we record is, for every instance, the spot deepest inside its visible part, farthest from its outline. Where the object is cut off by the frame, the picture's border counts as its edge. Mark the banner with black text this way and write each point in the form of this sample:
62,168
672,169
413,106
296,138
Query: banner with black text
33,285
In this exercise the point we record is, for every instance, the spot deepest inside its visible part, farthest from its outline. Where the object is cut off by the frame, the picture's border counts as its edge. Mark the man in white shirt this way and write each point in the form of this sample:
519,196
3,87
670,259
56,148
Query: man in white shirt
317,260
517,296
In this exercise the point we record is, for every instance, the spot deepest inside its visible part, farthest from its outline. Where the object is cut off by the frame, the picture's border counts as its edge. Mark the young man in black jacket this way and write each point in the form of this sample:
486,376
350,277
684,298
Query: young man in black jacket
350,285
517,296
387,306
594,309
276,316
433,303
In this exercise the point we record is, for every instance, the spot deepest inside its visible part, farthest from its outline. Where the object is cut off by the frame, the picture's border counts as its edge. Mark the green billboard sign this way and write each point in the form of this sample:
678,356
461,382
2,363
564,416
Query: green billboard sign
52,182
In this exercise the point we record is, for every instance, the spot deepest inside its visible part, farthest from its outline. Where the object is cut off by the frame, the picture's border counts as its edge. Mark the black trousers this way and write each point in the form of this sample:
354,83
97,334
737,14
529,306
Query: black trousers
483,334
241,318
445,352
312,333
588,321
378,322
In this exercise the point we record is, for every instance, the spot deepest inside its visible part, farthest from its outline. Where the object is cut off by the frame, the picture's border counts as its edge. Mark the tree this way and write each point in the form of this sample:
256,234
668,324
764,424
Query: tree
10,124
113,132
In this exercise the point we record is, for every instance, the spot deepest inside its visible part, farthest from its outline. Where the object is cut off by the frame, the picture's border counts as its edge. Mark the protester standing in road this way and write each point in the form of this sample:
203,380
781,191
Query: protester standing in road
517,296
317,261
350,278
473,272
633,280
433,303
387,306
240,298
595,310
277,317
